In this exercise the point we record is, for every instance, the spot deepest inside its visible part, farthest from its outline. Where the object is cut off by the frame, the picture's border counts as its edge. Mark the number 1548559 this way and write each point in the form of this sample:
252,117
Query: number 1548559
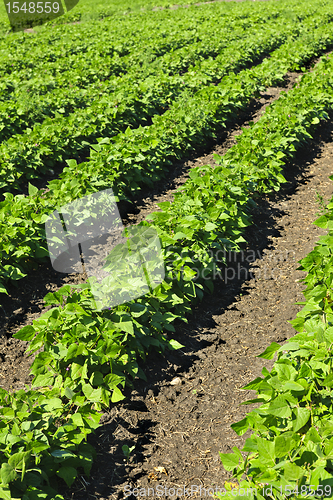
33,7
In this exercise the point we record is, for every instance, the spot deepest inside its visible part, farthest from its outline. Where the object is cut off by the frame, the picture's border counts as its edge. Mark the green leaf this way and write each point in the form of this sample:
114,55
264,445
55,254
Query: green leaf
240,427
32,190
69,393
210,226
328,382
51,404
113,380
51,299
266,449
72,163
321,222
72,350
96,378
43,380
293,386
279,407
19,460
26,333
229,460
313,436
62,455
77,371
282,445
77,419
302,417
5,493
92,394
117,395
126,326
284,371
179,236
174,345
254,385
68,474
7,473
250,445
37,446
318,475
270,351
127,450
292,472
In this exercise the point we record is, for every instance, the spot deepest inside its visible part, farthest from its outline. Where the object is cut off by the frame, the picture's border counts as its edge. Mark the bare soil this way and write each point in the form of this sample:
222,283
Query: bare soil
179,420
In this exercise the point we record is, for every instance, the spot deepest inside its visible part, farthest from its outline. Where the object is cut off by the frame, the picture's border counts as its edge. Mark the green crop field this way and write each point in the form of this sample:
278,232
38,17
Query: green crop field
111,95
88,10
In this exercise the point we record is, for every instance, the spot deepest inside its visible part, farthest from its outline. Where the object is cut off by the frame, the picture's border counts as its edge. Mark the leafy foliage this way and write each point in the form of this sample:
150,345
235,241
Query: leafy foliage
65,122
148,151
84,357
89,356
41,440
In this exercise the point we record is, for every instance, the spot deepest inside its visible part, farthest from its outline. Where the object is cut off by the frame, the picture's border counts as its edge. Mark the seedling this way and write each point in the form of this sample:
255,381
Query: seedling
127,451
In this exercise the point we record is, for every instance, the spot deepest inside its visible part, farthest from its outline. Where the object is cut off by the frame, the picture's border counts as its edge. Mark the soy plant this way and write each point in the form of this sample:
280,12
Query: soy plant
24,241
43,442
95,353
84,352
292,441
127,451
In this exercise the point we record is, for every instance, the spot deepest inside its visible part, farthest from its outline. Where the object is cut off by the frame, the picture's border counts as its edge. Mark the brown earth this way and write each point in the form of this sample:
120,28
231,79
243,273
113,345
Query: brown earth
179,420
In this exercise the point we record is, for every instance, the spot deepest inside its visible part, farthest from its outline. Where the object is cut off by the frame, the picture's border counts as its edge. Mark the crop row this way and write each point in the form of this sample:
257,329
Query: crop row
142,37
21,112
169,51
34,100
90,355
145,156
25,156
